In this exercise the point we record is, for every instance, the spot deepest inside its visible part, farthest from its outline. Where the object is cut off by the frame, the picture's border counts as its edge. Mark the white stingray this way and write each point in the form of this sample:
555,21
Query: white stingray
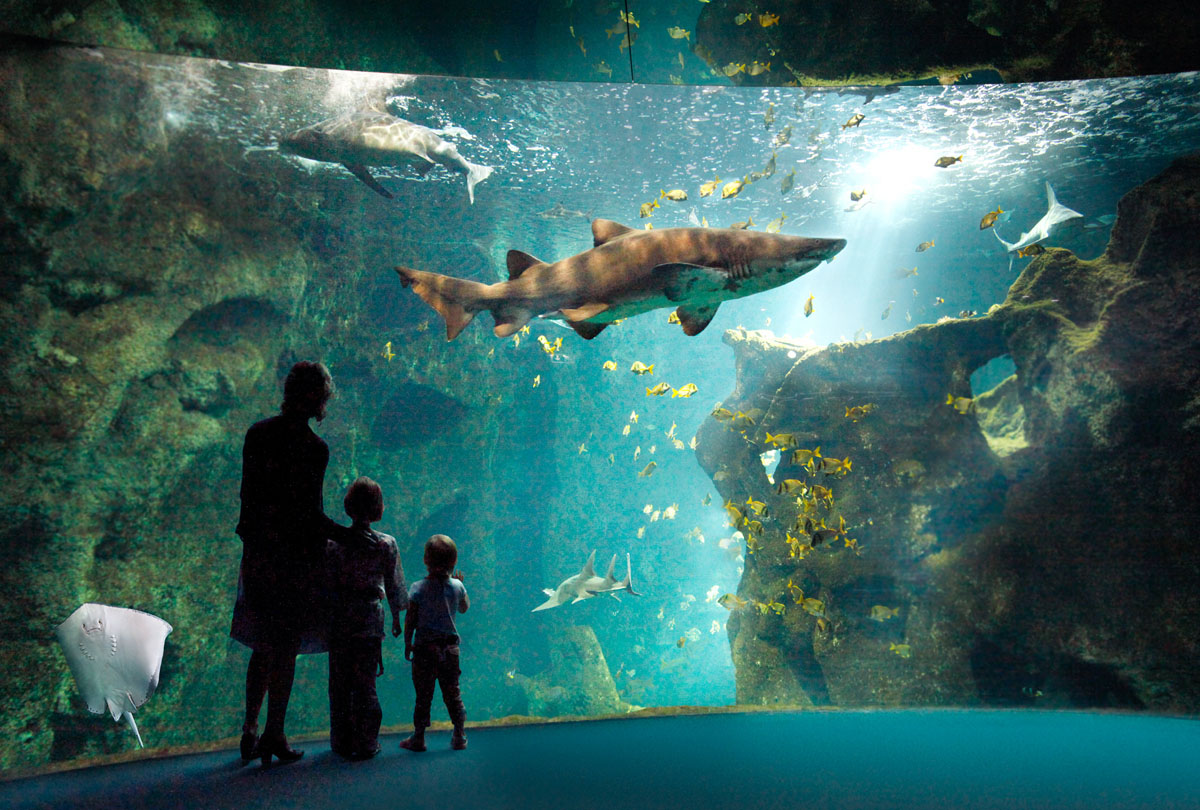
115,655
1055,213
586,584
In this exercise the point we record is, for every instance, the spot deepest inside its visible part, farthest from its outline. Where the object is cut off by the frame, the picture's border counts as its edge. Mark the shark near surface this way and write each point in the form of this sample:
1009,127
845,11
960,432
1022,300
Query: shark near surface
627,272
373,138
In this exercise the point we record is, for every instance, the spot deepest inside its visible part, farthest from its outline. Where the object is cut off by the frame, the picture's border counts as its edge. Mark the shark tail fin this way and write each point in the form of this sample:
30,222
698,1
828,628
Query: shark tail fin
1009,246
455,299
476,173
628,581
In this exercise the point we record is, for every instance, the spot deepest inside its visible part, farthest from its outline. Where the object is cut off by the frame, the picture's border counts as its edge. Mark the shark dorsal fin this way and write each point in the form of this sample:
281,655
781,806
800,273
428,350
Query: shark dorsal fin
519,262
589,567
605,230
611,565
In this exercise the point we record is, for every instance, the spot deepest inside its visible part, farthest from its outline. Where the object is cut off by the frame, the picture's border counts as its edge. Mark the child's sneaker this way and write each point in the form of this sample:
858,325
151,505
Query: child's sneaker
414,743
458,740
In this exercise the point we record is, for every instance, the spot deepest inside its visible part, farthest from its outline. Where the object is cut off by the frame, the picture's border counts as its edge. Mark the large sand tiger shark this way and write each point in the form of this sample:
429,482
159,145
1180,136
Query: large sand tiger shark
626,273
373,138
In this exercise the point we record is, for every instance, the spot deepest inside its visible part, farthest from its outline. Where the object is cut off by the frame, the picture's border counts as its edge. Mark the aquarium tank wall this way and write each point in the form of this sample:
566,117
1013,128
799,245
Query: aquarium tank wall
950,463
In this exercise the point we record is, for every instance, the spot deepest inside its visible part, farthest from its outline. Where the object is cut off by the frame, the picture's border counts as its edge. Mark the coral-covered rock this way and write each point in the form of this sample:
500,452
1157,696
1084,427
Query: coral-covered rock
1032,543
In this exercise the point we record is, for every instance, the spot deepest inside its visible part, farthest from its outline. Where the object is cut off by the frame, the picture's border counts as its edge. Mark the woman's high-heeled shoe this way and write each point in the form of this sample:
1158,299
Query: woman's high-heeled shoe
277,747
249,743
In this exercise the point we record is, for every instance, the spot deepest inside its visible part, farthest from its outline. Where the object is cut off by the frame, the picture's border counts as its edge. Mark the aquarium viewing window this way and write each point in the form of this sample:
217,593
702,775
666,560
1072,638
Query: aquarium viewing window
876,401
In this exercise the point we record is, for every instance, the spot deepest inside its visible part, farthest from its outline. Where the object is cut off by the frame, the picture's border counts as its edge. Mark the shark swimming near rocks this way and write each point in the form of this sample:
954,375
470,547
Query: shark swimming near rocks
373,138
626,273
586,584
1056,212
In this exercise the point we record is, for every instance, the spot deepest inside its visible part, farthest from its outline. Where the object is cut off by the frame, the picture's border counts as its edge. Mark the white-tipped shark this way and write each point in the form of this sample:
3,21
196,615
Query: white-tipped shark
374,138
626,273
1055,213
586,584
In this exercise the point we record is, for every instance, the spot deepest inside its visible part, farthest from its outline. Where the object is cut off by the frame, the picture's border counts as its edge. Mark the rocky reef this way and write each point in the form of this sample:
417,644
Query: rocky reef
823,42
1033,544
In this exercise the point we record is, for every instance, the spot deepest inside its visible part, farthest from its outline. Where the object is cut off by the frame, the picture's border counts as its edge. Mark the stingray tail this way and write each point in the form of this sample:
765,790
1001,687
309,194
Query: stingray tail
476,174
133,725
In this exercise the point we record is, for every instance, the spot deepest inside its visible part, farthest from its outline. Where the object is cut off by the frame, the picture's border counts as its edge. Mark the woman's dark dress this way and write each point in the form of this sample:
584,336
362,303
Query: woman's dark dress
283,529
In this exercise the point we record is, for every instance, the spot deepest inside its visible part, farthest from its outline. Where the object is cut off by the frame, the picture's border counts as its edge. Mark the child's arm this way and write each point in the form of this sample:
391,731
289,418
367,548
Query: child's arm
394,587
410,625
465,602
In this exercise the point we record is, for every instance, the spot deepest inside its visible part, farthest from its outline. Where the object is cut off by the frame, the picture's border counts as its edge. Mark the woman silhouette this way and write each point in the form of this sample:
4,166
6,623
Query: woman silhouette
283,529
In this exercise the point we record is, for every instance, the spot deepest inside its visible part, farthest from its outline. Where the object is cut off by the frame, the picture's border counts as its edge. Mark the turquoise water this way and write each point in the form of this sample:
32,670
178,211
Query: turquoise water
458,433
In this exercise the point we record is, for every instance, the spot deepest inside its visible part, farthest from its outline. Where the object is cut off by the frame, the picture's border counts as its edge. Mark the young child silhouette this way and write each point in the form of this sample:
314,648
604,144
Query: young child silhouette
363,568
431,640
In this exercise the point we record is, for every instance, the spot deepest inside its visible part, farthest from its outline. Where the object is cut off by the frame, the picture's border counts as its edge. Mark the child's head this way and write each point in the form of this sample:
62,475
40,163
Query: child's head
440,554
364,501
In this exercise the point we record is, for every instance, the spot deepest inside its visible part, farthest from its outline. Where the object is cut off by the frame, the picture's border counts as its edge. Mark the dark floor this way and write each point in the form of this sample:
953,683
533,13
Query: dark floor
821,760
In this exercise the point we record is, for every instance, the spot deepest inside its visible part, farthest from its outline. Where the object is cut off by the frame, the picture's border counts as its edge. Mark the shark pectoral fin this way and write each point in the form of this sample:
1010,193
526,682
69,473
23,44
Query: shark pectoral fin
695,319
509,322
586,330
681,281
360,171
605,230
548,591
585,312
549,603
581,598
424,168
519,262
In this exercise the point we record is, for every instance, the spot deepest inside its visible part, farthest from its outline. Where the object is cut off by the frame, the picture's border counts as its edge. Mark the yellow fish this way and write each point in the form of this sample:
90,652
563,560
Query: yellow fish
640,368
944,162
767,20
833,466
603,68
854,121
776,607
814,607
808,306
673,317
675,32
647,209
880,613
924,246
423,326
676,194
685,392
731,601
757,67
547,346
733,188
708,188
855,196
774,225
902,650
637,451
582,448
496,53
633,417
961,404
783,441
648,471
517,340
658,390
1033,250
609,365
537,381
733,69
675,79
790,486
758,507
625,430
693,444
722,414
612,459
628,18
859,411
794,590
582,47
741,226
741,19
904,272
806,458
990,218
387,351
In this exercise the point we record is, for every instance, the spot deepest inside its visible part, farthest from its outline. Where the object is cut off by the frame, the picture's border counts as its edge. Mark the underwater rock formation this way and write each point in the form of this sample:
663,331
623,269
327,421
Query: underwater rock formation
578,681
1037,544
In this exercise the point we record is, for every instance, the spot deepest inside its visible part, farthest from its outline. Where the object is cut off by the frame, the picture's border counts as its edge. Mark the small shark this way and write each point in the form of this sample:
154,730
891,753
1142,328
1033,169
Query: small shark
626,273
586,584
560,211
374,138
1055,213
